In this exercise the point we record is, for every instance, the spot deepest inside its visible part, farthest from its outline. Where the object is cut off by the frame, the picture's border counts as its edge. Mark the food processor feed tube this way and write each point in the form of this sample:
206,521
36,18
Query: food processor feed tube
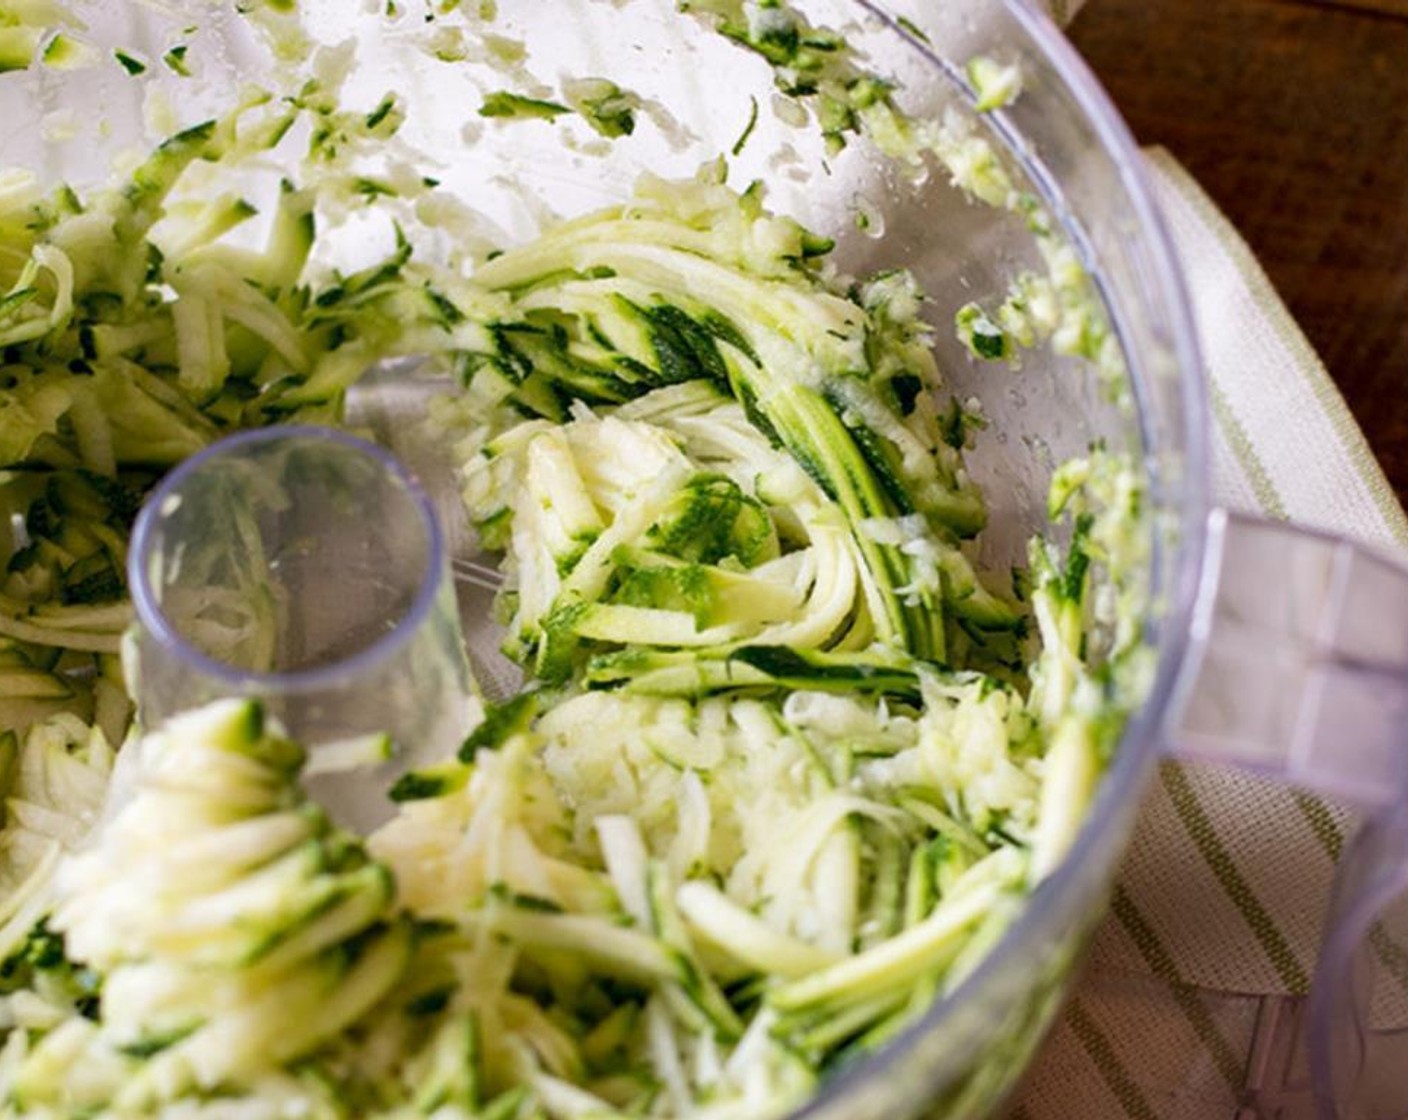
304,568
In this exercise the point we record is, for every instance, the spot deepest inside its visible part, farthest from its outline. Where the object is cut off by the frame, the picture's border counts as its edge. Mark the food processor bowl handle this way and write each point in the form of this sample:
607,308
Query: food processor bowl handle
1298,668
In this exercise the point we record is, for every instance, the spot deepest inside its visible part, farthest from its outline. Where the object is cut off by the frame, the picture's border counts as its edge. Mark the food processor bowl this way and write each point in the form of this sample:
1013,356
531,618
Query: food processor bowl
705,99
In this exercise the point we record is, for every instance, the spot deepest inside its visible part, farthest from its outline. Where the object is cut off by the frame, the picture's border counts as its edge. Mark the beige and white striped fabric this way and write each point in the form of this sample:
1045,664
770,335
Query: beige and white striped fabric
1190,1007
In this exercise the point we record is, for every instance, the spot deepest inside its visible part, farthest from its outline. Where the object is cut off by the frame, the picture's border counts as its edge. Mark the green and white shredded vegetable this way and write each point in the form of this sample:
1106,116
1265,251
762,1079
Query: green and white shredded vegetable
785,763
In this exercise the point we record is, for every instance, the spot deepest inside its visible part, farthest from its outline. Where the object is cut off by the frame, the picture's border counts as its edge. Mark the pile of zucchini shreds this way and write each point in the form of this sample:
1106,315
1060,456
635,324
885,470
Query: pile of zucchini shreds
785,764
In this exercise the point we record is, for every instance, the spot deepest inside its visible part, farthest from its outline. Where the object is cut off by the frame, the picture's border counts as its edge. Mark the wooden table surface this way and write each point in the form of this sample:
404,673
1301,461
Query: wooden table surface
1293,115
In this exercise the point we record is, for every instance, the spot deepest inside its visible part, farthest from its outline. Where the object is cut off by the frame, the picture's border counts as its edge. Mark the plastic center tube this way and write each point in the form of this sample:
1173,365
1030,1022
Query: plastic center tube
305,568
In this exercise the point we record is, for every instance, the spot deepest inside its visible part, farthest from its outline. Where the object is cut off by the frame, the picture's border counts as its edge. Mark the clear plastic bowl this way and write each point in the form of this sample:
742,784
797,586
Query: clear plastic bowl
964,1055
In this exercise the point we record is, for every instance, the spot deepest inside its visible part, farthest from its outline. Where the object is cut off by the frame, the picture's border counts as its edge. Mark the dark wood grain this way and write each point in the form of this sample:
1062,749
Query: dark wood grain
1293,115
1383,7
